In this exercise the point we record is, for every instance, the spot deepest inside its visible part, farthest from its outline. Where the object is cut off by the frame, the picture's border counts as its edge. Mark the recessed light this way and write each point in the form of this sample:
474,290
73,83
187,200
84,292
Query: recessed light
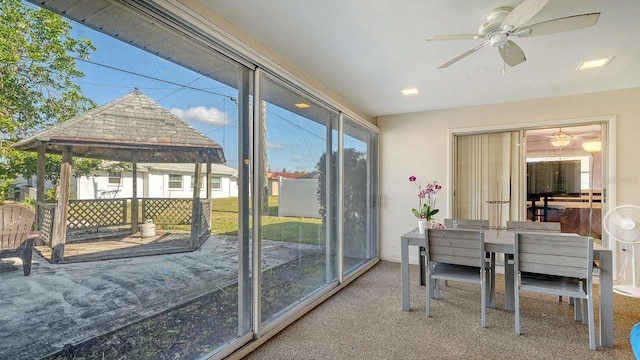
411,91
302,105
592,64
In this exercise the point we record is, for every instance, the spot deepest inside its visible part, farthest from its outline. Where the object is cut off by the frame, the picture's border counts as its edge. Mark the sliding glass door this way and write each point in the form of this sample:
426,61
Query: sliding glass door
359,204
284,214
298,242
543,174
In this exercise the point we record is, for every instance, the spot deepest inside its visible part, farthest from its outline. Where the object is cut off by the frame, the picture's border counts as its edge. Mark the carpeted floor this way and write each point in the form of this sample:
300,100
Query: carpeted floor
365,321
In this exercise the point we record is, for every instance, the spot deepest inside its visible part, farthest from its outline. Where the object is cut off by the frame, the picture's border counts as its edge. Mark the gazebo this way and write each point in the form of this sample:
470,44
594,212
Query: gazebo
133,129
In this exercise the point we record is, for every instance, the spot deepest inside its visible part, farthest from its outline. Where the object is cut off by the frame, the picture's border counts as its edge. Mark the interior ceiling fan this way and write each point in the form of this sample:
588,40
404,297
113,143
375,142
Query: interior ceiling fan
560,138
504,23
563,138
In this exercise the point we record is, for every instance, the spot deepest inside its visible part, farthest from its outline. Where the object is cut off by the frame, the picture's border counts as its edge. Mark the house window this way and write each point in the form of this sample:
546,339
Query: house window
216,183
115,177
175,181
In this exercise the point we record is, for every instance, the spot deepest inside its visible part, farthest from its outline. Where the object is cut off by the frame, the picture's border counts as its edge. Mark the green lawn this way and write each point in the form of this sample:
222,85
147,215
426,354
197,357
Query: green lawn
291,229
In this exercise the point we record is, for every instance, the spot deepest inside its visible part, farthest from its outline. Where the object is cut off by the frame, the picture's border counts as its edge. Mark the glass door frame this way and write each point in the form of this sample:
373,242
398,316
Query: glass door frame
608,123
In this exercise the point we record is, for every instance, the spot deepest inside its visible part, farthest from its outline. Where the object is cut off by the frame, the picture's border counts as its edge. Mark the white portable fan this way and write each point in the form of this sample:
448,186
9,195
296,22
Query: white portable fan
623,224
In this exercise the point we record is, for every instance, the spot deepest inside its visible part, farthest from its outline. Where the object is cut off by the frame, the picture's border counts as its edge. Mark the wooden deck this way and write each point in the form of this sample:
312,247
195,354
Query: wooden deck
124,247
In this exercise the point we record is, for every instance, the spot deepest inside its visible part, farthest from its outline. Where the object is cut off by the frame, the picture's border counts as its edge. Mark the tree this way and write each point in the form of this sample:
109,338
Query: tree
37,68
354,195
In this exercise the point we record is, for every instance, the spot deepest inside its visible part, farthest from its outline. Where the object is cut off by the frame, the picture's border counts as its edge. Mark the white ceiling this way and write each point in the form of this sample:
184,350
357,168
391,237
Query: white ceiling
367,51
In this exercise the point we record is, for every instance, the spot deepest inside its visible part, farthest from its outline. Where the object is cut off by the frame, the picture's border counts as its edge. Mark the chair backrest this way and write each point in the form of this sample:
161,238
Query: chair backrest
16,223
459,247
533,226
466,224
554,254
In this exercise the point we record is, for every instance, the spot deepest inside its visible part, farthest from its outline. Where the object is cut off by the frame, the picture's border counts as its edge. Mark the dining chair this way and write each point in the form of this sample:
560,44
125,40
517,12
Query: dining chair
533,226
456,255
557,264
466,224
543,226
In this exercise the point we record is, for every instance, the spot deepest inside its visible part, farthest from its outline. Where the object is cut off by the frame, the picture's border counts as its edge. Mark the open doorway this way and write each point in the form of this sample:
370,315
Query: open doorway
565,177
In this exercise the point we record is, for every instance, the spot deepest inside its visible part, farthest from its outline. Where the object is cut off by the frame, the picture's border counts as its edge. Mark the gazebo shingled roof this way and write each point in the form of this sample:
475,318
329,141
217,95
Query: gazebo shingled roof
133,128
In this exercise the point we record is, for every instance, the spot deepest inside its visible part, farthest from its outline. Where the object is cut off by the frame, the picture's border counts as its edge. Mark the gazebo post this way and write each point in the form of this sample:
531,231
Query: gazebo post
134,198
196,213
40,173
60,222
208,179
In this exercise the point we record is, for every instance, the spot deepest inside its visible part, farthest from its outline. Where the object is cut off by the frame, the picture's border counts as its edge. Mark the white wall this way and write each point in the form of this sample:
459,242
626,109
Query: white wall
93,187
298,197
418,144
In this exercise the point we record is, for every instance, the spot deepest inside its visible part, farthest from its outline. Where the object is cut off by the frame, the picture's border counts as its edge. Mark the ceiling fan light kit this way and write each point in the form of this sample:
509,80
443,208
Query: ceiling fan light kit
505,22
560,138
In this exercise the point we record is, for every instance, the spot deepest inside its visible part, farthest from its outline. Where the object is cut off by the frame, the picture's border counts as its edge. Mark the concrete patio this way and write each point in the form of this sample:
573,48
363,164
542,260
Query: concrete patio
70,303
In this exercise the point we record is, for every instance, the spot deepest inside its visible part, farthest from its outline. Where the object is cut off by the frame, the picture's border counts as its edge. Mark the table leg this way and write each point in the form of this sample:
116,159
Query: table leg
606,299
404,264
421,262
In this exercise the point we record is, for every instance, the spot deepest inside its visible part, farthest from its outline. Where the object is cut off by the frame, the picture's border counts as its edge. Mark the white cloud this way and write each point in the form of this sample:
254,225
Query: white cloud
275,146
202,115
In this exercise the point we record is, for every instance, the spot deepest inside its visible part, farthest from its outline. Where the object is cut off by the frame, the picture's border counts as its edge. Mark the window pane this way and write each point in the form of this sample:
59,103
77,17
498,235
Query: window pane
175,181
176,286
296,143
216,183
359,243
114,177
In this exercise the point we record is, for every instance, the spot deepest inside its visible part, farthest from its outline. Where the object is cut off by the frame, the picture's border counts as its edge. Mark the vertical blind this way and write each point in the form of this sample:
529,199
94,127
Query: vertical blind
489,177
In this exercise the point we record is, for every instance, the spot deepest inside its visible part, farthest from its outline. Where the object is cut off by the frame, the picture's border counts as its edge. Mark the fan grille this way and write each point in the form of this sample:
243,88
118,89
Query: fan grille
623,223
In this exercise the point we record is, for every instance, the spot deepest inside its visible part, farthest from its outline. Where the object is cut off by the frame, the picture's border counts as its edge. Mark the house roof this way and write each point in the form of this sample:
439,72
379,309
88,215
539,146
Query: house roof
218,169
130,128
286,175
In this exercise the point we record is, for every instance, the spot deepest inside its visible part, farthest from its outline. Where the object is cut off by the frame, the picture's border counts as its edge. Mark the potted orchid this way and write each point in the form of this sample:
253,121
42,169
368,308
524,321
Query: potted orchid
426,210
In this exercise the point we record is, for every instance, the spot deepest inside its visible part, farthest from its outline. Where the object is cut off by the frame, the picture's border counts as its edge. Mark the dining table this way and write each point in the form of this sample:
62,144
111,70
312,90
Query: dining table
502,242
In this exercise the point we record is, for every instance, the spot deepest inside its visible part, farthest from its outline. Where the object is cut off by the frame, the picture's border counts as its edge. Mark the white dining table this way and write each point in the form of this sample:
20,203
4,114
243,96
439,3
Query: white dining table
502,242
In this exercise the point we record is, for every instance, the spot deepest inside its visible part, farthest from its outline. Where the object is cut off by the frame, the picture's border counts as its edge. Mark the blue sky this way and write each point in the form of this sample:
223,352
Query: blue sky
116,68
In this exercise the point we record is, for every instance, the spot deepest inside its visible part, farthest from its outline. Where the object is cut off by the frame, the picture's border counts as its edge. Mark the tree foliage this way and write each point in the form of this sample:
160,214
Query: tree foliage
354,194
37,68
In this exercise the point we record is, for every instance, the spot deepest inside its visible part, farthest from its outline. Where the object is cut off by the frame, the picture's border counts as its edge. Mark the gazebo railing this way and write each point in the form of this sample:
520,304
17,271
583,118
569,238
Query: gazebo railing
167,211
46,213
92,214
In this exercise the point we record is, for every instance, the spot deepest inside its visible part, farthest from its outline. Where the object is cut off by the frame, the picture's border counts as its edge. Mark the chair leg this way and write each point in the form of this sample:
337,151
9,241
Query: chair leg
483,300
592,329
429,286
516,305
26,256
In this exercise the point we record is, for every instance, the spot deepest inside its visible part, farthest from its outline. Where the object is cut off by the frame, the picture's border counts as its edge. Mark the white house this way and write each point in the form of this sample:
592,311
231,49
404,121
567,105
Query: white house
162,180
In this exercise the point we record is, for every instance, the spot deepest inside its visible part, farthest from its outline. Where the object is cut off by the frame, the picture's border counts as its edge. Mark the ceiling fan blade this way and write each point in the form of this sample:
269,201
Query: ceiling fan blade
463,55
522,13
512,54
559,25
453,37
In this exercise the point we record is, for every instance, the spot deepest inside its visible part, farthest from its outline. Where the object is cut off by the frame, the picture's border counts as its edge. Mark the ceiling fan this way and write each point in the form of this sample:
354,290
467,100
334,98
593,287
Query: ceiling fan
504,23
560,138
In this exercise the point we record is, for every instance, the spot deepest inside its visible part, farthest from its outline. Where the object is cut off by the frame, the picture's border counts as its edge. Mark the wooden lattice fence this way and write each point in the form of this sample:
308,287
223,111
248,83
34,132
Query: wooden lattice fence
203,229
167,211
48,212
87,214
